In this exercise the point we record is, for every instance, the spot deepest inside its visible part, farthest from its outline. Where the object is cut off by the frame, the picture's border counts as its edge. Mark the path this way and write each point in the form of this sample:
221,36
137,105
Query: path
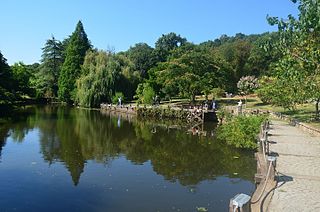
299,166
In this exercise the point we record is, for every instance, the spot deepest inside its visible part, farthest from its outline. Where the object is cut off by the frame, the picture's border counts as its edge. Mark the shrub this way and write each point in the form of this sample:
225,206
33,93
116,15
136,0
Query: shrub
116,96
218,92
145,93
241,131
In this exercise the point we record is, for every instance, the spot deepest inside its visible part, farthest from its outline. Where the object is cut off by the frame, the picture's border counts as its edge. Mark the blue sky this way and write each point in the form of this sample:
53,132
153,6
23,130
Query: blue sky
119,24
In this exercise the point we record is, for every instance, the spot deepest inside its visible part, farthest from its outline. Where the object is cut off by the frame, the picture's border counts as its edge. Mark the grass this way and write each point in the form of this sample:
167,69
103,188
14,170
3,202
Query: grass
304,112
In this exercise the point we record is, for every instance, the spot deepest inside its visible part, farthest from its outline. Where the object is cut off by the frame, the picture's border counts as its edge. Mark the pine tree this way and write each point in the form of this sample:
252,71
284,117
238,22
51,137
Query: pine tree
78,44
48,75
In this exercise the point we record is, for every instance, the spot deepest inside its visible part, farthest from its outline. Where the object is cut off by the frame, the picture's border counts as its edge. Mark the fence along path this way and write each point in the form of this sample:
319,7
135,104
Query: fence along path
298,167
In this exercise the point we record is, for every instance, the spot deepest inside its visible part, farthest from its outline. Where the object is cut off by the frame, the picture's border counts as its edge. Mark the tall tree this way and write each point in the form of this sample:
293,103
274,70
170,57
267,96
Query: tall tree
78,44
167,43
236,53
189,73
48,75
97,83
142,57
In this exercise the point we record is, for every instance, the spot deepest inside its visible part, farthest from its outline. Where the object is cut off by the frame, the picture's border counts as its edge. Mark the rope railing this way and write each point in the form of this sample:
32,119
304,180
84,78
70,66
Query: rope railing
266,171
265,181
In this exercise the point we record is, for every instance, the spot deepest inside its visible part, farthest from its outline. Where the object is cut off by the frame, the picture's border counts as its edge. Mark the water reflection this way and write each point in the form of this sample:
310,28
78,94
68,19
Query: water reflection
76,136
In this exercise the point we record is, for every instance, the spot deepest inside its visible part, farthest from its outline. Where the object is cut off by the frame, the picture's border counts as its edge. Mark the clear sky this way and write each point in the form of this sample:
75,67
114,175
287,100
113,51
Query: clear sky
119,24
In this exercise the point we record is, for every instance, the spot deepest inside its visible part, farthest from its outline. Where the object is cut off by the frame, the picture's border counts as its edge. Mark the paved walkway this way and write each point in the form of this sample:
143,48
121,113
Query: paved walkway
299,165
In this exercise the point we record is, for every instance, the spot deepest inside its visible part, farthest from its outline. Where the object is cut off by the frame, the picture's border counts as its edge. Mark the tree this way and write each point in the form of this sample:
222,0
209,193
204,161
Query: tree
78,45
21,75
247,84
129,77
145,93
300,46
100,71
236,53
6,82
263,55
142,57
190,72
167,43
52,59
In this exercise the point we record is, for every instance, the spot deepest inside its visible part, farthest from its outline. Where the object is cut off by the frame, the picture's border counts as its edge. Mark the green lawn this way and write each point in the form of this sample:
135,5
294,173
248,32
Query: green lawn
304,113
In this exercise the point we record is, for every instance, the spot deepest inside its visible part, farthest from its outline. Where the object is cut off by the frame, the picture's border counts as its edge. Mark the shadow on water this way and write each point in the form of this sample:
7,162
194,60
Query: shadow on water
76,136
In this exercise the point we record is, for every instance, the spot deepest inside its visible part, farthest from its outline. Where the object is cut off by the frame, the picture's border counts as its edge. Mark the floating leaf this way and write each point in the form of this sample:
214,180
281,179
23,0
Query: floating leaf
202,209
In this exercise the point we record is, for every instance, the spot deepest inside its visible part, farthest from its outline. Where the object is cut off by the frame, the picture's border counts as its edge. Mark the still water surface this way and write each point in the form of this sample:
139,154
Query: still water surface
64,159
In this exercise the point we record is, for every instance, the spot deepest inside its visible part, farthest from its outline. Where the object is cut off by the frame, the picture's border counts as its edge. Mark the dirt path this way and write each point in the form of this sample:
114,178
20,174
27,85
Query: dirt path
298,163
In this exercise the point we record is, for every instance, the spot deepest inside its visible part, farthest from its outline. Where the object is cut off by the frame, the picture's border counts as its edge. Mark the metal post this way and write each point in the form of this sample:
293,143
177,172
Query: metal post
241,202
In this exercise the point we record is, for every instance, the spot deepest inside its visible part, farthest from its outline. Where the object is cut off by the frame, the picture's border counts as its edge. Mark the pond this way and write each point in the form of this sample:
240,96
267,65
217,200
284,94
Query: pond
69,159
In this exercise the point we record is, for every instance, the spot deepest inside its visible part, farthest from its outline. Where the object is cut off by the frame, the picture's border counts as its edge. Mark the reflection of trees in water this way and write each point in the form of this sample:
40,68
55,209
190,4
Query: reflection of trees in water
17,131
74,136
4,133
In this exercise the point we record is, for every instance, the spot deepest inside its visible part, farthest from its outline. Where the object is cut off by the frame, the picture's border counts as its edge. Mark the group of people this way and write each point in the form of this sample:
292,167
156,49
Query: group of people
211,105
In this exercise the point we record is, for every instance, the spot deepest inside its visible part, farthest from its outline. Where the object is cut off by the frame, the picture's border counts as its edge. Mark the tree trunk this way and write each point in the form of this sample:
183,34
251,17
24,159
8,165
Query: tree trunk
193,98
317,108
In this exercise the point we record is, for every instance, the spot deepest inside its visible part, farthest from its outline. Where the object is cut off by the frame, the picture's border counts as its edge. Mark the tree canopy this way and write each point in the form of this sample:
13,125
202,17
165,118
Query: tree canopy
78,44
296,74
75,72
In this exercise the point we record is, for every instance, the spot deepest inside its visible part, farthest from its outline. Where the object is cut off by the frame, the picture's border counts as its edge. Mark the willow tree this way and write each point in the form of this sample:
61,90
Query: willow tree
100,71
78,44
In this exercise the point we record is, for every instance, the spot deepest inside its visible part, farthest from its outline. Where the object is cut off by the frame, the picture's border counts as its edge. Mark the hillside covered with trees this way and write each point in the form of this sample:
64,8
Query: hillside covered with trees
73,71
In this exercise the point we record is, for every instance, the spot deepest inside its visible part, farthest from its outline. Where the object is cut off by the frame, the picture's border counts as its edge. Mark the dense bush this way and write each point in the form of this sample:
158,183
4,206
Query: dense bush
145,93
241,131
115,98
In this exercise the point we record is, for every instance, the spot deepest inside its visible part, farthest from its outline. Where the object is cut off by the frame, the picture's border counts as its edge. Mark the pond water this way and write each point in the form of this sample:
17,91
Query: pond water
68,159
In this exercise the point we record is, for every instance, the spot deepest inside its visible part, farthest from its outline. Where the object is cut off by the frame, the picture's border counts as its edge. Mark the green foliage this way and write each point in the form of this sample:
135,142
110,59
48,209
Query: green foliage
297,72
218,92
78,45
241,131
166,43
21,75
6,82
46,79
145,93
280,92
189,72
263,54
117,95
174,68
148,95
129,78
96,84
141,55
